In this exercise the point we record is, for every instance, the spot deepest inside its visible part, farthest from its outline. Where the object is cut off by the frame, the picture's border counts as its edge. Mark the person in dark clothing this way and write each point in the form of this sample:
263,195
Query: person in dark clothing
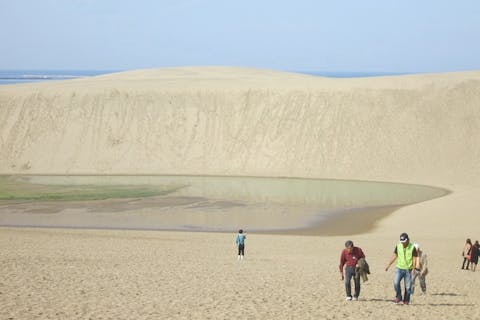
349,259
474,252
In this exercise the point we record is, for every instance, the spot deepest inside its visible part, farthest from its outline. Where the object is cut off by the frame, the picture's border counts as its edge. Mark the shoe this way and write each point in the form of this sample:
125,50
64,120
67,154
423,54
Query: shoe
348,299
397,301
355,298
406,302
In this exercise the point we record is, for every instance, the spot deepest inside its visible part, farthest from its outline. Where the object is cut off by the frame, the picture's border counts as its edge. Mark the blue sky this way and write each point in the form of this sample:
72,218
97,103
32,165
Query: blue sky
350,35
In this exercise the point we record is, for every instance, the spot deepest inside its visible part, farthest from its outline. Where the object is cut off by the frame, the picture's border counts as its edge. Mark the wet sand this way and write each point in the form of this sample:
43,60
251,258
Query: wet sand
202,214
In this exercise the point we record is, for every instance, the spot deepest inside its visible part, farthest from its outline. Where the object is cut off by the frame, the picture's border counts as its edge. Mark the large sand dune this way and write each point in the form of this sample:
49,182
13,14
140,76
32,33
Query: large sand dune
234,121
230,121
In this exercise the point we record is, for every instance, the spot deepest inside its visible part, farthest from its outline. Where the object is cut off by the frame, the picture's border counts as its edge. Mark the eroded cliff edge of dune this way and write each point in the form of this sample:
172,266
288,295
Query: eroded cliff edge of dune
236,121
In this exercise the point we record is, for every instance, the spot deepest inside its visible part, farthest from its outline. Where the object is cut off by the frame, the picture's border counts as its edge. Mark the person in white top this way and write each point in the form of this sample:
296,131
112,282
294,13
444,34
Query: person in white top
422,270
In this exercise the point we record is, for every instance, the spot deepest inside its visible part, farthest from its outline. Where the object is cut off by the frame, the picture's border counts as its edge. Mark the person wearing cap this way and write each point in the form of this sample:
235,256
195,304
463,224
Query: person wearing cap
406,256
349,258
422,270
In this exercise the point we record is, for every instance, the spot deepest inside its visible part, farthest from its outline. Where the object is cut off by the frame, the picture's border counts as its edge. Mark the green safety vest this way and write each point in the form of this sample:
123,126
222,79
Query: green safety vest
405,256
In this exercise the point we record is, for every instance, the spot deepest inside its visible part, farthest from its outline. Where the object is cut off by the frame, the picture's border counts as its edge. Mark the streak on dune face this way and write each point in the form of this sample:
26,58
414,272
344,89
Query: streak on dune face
237,121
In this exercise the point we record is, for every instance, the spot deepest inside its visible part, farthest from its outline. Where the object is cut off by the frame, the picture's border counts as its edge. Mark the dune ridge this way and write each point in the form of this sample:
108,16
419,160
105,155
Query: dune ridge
239,121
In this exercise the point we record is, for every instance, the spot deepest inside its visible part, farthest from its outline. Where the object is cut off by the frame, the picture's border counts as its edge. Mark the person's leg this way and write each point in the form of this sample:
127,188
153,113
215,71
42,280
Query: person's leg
356,279
408,286
349,273
463,264
396,284
423,284
413,282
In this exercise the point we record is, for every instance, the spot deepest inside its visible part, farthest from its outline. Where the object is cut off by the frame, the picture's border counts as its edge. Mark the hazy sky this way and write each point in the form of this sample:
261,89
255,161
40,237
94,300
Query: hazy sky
301,35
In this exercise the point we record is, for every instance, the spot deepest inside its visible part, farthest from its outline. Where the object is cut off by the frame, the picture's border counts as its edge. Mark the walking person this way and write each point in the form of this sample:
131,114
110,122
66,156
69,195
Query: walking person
422,270
240,242
349,259
466,253
406,256
474,253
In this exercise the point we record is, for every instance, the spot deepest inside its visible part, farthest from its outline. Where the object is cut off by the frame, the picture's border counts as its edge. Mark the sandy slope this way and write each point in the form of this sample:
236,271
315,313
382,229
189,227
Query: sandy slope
422,129
234,121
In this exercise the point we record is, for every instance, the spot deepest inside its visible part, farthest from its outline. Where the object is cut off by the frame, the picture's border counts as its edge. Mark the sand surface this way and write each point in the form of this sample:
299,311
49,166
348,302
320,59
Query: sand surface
419,129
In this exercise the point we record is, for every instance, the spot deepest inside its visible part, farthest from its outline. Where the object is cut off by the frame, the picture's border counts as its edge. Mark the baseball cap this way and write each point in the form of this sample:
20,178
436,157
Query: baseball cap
416,245
403,237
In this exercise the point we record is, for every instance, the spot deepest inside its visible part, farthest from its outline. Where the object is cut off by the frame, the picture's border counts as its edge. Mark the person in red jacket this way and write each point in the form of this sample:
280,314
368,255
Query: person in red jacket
348,259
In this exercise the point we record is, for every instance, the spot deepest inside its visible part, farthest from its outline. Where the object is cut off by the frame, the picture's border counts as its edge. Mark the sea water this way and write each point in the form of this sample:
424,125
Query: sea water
24,76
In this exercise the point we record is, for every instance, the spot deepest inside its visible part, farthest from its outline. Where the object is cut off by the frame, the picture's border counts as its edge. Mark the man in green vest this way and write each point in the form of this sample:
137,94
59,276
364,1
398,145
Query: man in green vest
406,256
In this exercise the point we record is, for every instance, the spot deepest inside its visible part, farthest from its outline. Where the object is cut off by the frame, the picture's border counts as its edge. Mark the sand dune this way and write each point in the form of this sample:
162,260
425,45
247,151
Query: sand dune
229,121
232,121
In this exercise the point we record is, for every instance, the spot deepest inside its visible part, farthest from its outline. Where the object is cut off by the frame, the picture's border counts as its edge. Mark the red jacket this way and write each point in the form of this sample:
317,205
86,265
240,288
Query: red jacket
350,258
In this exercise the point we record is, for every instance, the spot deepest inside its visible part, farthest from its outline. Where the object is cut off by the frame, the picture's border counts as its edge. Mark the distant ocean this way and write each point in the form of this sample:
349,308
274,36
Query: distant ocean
347,74
23,76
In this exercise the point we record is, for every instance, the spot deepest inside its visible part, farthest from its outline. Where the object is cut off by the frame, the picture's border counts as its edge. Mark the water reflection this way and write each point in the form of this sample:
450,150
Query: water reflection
209,203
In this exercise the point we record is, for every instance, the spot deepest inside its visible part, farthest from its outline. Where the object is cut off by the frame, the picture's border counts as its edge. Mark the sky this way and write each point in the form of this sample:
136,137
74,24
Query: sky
304,35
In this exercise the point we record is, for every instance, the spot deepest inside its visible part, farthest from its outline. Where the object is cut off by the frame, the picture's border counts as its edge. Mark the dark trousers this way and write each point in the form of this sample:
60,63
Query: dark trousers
349,274
467,261
241,249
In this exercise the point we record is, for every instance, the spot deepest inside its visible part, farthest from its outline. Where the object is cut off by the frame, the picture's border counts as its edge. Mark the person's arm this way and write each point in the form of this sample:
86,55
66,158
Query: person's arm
392,260
361,254
416,260
342,263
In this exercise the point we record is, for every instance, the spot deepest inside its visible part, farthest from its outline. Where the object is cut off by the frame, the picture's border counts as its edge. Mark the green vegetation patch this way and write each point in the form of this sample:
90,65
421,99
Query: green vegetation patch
19,188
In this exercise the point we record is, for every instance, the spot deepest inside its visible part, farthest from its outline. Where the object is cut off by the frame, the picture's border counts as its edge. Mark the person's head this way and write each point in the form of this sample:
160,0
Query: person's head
240,231
404,239
476,243
469,241
349,245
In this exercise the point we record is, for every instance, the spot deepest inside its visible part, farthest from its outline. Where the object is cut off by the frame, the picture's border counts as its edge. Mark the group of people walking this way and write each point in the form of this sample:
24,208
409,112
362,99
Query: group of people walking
411,263
470,255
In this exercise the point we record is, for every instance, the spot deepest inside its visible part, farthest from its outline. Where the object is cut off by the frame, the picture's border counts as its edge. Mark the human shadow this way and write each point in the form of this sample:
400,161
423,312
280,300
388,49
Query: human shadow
450,294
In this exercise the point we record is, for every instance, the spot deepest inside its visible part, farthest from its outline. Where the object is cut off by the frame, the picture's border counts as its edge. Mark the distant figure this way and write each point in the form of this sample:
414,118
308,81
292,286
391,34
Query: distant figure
240,241
406,256
422,270
466,253
474,252
349,258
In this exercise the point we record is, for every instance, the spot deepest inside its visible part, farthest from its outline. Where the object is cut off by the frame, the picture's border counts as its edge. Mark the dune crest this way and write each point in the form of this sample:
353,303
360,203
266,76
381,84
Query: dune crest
240,121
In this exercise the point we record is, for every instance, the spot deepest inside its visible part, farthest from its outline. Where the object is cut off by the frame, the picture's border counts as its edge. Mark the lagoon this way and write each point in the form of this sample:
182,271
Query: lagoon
198,203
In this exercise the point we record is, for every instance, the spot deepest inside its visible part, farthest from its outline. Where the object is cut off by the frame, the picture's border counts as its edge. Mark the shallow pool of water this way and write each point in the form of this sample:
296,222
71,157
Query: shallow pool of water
206,203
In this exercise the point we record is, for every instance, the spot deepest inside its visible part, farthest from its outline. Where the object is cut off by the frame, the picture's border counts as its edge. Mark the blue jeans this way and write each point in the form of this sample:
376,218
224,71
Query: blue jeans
399,275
